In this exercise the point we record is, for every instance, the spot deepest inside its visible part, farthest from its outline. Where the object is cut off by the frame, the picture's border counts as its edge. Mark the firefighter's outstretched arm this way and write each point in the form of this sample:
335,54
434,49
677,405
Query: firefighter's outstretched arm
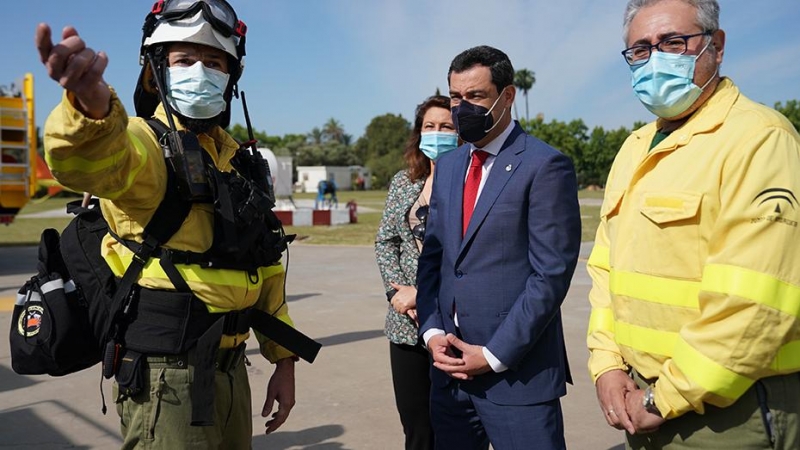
77,68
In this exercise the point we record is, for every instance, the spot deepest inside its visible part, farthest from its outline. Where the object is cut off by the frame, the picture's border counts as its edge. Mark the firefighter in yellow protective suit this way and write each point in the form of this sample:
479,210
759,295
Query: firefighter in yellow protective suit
92,145
695,326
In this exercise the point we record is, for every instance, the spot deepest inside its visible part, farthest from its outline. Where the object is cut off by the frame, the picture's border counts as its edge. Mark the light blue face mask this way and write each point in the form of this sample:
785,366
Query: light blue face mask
665,83
436,143
197,91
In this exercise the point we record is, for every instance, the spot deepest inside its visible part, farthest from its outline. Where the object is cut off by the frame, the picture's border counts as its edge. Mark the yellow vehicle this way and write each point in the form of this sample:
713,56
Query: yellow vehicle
17,148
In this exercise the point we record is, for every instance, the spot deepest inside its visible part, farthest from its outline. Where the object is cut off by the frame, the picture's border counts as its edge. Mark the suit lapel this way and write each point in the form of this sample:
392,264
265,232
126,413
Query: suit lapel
503,168
458,175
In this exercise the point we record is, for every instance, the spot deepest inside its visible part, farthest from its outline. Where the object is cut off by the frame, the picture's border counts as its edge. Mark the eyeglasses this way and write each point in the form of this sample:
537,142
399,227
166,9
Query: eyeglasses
419,229
640,54
217,12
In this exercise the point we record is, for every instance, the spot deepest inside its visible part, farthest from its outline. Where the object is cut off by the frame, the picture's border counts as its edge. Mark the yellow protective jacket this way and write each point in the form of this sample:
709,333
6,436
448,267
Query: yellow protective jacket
695,267
120,160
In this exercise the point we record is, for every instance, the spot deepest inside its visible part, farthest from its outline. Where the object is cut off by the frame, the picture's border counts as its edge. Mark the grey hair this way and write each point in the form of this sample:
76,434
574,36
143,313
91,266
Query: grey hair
707,14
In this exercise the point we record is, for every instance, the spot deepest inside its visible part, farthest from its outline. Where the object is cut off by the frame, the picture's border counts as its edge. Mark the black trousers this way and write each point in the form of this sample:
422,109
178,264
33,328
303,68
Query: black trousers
411,367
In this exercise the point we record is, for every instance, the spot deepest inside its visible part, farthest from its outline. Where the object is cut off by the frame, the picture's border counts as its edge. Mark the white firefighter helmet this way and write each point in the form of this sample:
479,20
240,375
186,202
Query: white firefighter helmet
194,30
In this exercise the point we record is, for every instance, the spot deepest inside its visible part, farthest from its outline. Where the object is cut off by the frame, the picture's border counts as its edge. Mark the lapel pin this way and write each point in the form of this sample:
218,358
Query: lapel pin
508,168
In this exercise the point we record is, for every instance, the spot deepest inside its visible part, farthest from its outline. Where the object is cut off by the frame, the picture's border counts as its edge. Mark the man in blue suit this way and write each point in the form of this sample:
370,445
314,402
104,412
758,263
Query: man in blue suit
501,246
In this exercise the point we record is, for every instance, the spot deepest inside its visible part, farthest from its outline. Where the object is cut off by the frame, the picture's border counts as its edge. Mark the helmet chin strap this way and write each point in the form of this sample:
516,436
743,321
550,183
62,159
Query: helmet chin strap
162,93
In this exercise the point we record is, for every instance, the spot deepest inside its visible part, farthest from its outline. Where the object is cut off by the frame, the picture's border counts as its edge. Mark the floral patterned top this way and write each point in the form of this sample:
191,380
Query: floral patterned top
397,253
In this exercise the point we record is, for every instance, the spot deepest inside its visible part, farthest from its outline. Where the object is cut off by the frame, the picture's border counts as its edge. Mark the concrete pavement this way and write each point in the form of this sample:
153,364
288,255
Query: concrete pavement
344,399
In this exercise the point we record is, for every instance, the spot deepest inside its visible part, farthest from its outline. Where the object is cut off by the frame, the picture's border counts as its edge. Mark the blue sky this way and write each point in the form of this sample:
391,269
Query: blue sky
310,60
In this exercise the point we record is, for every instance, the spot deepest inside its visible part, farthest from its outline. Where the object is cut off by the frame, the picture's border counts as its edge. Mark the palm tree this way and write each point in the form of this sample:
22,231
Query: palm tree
333,131
524,79
315,136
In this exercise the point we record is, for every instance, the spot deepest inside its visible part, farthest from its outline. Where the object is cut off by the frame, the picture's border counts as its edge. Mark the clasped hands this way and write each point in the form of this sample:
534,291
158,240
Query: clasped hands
471,361
621,402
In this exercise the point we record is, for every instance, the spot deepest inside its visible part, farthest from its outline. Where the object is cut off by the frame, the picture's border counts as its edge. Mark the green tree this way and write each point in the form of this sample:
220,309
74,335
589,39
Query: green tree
599,154
239,132
381,146
333,131
591,153
792,112
524,79
315,137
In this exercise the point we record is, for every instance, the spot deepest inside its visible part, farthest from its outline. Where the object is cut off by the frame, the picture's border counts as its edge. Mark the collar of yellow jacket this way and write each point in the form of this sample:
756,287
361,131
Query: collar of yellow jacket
708,117
217,142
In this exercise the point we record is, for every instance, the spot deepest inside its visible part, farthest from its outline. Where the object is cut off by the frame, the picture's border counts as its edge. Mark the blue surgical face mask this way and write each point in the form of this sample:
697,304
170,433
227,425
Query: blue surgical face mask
436,143
197,91
665,83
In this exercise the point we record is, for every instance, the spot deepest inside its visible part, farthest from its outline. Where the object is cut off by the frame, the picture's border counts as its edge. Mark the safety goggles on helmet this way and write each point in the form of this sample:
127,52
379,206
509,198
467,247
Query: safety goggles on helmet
216,12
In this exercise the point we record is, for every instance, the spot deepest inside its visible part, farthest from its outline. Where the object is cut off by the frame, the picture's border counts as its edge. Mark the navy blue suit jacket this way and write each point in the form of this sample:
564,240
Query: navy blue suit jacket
509,275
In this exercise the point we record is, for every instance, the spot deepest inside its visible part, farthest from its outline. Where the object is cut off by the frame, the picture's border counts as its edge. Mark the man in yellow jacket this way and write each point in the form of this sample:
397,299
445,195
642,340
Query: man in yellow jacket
92,145
695,327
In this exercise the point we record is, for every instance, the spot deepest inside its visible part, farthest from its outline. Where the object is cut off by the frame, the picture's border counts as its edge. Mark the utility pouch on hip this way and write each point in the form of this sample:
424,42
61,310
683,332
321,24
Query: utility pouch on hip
130,375
159,323
166,322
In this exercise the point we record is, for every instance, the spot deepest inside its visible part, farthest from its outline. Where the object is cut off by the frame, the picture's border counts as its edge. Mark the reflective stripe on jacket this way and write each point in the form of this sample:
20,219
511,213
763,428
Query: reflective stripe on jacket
119,160
695,269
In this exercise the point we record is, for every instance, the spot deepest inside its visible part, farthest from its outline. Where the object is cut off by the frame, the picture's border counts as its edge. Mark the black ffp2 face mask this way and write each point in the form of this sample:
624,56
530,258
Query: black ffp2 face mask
474,122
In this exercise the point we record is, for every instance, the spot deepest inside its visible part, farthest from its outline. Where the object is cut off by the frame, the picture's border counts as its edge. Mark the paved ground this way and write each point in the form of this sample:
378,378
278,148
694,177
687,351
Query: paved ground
344,400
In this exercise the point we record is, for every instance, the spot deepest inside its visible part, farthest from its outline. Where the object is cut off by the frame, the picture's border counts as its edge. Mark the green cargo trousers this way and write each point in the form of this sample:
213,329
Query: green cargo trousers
743,425
159,417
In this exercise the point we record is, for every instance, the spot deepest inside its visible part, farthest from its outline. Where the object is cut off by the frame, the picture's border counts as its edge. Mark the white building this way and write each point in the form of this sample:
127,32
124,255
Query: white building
346,177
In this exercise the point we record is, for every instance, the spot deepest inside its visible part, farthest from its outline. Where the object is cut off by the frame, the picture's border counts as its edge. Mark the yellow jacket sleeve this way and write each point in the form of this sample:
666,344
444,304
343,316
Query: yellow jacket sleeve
105,157
272,301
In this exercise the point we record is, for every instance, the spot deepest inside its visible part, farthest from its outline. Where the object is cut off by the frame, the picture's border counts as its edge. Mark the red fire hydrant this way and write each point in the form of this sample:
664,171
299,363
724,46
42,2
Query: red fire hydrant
352,208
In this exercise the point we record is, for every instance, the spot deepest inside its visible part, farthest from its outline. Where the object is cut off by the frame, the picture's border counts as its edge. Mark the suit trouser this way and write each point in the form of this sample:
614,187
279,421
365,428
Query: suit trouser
464,421
768,411
412,387
159,417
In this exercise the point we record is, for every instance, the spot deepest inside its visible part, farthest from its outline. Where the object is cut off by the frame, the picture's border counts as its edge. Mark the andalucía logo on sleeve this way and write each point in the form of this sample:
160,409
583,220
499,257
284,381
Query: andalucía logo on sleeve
30,321
782,202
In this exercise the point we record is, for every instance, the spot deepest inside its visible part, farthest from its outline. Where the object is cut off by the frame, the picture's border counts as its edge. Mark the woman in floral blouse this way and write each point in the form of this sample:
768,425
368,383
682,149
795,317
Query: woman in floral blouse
397,248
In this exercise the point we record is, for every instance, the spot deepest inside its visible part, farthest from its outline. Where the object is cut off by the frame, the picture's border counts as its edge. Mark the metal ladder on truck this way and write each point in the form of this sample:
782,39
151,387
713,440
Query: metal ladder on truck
17,148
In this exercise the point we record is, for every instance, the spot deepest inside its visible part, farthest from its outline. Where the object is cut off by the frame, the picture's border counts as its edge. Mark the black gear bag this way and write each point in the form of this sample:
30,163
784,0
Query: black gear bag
66,314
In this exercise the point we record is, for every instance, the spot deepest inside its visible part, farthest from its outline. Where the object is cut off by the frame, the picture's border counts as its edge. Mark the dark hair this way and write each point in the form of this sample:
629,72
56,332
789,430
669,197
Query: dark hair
497,62
419,165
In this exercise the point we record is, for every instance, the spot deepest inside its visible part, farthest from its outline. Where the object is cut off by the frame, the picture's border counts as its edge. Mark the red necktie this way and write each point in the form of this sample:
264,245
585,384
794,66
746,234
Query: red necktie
471,187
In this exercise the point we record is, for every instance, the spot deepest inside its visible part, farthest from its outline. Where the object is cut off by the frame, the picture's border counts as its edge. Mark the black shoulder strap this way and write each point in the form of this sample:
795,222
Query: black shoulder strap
166,220
172,211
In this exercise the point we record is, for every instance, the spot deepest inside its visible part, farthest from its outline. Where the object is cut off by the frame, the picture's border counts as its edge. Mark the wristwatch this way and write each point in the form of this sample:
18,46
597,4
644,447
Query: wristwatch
649,401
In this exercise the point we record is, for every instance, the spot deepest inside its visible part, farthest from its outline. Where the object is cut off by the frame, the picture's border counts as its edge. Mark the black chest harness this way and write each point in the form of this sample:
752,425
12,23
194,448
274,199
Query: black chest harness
247,235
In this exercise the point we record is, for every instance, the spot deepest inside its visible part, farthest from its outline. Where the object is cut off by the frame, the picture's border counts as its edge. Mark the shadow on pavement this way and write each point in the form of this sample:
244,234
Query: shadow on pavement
337,339
353,336
296,297
37,431
25,428
9,381
310,438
